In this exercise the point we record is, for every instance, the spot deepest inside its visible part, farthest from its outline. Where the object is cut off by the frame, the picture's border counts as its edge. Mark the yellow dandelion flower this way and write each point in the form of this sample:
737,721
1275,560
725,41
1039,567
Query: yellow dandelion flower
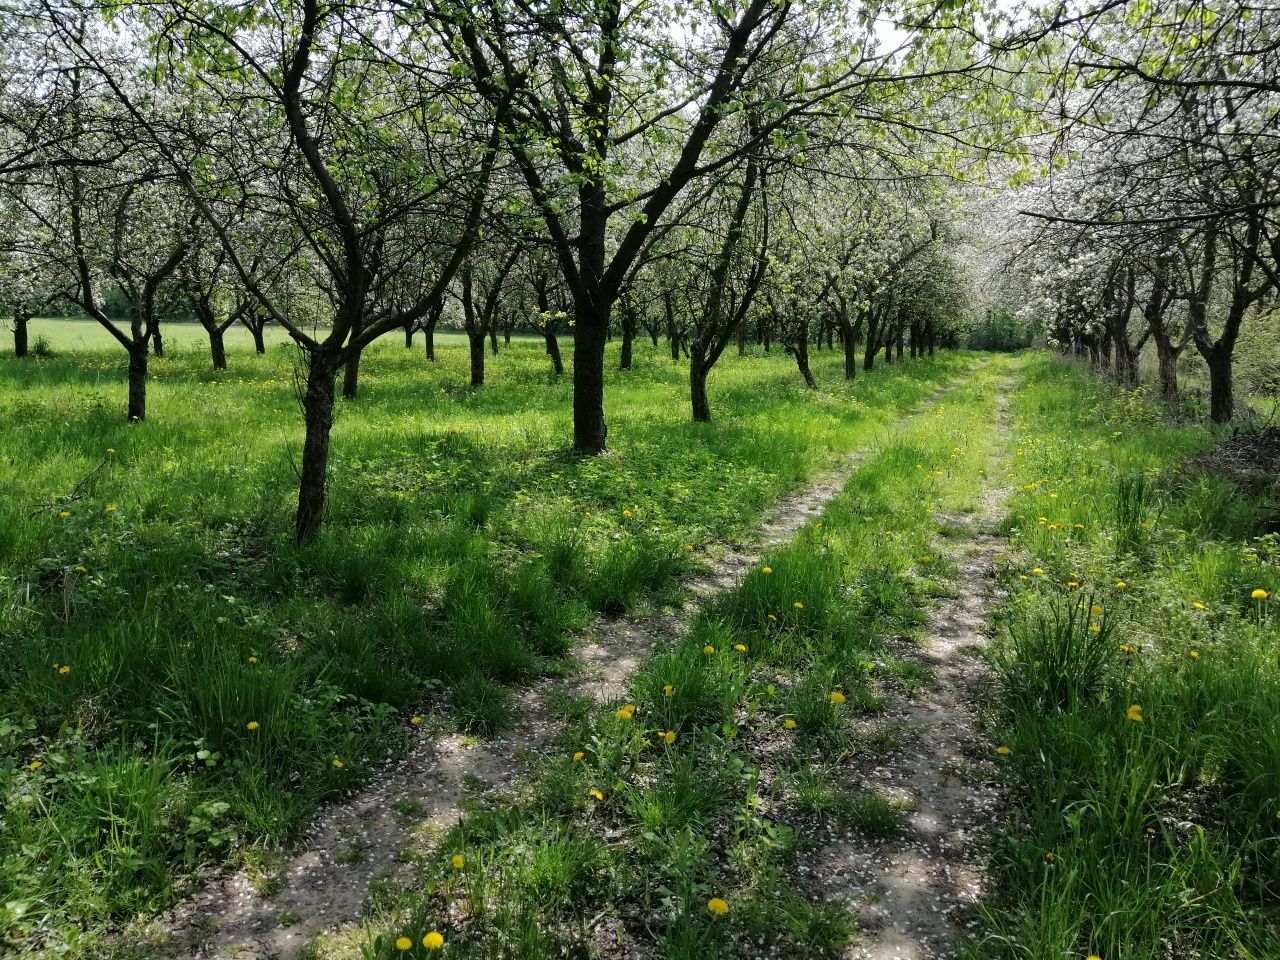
403,943
597,794
34,765
708,649
798,605
415,720
252,725
111,450
64,669
80,568
717,906
740,647
1134,713
1093,956
1120,585
1095,610
668,690
1198,606
1023,576
789,724
338,764
433,940
668,736
111,508
1259,594
64,514
626,513
623,714
1193,654
458,861
1049,857
1003,751
773,617
578,755
253,659
1095,628
1073,584
1128,648
1038,570
837,696
766,569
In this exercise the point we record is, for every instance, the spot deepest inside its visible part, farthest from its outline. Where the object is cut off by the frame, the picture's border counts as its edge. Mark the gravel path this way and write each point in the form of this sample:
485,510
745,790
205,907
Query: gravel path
373,836
911,893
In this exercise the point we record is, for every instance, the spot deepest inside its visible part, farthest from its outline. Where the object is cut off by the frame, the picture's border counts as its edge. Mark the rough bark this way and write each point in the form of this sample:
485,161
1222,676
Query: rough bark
21,318
317,412
217,347
138,381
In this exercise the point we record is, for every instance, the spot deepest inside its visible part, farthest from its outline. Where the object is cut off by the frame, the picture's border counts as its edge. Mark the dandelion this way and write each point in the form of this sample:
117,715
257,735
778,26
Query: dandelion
577,756
34,765
625,713
597,794
80,568
64,670
740,647
1193,654
1003,751
766,569
1023,576
458,861
416,720
708,649
1049,857
433,940
837,696
338,764
668,690
1095,628
668,736
64,514
1128,648
111,450
1093,956
798,605
1095,610
1150,831
790,724
1198,606
111,508
1120,585
717,906
1073,584
626,513
1259,594
1039,571
197,523
253,659
403,943
1134,713
252,725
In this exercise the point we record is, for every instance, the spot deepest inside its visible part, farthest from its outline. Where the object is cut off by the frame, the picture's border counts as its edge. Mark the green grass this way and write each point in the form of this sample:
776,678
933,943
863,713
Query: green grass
1134,838
220,682
708,781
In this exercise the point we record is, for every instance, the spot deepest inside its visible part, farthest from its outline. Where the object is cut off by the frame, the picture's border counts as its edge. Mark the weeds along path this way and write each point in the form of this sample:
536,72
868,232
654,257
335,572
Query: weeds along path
374,837
911,892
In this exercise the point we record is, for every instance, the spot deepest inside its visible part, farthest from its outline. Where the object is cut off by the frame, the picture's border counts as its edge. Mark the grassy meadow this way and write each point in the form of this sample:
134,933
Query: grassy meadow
183,686
1140,688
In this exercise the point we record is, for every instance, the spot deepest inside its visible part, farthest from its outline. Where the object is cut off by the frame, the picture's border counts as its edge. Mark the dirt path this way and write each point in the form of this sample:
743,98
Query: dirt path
372,836
910,894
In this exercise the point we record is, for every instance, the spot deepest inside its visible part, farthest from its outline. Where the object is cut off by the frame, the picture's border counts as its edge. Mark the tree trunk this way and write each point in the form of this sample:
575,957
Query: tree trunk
217,347
1167,364
589,429
351,375
850,351
157,341
317,411
138,381
493,339
259,339
553,351
408,336
429,335
698,383
476,340
20,320
900,345
1221,395
628,335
